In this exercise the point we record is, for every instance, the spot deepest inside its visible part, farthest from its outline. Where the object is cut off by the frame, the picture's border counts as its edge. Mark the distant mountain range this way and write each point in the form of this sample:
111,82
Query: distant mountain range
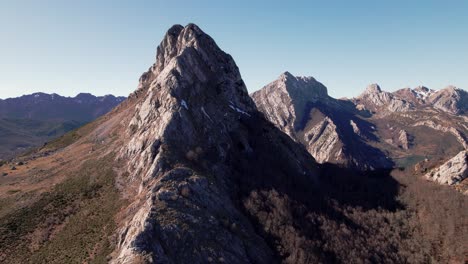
41,106
31,120
375,130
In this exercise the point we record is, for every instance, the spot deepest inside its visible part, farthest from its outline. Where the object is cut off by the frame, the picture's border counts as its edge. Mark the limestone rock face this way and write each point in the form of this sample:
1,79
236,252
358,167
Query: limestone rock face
381,102
450,99
284,100
417,96
197,148
330,129
403,139
323,141
451,172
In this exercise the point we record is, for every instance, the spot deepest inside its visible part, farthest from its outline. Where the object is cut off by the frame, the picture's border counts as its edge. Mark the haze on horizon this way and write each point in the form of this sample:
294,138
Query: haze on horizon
68,47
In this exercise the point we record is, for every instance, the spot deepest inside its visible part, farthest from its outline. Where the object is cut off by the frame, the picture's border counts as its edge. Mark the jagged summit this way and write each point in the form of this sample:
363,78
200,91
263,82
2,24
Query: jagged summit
187,170
300,86
190,51
450,99
373,88
328,128
291,95
196,146
286,75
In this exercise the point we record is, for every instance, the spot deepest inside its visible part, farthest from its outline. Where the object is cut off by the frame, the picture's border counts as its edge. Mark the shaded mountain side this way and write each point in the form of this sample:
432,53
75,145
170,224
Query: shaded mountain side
357,136
332,130
202,176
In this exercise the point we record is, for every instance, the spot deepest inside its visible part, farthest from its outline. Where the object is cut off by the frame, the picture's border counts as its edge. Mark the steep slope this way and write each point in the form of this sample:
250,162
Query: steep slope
451,172
31,120
187,170
192,142
331,130
451,100
195,159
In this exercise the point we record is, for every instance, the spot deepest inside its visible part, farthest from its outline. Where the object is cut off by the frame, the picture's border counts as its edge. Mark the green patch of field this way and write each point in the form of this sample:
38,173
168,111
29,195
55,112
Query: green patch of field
70,224
408,161
18,135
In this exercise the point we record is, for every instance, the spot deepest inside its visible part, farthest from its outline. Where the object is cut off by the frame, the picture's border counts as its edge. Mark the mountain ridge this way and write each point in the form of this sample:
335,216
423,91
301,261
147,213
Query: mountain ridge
188,170
331,129
42,106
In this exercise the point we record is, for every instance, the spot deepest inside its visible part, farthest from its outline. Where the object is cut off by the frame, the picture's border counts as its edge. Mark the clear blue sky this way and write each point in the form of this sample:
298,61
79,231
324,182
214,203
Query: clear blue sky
103,46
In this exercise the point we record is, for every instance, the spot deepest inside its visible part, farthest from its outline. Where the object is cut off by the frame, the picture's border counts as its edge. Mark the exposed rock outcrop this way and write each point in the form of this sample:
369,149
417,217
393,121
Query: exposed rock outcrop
323,142
284,101
403,139
355,127
417,96
198,148
330,129
451,172
381,102
450,99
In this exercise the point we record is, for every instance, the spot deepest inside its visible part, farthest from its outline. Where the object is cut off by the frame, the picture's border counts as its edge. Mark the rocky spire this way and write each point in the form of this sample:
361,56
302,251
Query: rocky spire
194,132
373,88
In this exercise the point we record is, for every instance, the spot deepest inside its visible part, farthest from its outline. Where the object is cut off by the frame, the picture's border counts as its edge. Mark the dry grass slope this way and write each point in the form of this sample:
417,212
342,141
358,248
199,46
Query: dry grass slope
72,223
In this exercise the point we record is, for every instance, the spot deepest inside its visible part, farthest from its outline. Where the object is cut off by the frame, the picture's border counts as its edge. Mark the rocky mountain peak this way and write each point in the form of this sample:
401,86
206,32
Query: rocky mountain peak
374,99
285,75
193,130
422,92
451,99
303,86
451,88
297,87
373,88
190,50
284,100
422,88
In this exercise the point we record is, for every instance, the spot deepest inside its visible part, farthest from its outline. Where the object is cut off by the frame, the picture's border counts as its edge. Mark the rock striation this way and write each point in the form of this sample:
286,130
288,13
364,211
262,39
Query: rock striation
403,139
381,102
330,129
284,101
200,153
450,99
451,172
